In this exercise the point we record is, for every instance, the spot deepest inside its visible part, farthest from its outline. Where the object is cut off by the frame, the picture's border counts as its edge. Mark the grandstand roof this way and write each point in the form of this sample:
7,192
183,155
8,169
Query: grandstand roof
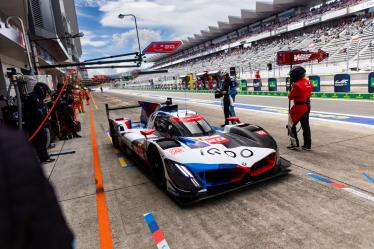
248,16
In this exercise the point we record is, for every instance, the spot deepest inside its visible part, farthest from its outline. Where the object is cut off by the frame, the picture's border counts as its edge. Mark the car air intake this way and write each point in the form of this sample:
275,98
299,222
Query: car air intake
263,165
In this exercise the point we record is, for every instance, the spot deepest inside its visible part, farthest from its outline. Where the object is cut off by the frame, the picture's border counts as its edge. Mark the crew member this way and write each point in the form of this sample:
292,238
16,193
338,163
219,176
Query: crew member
233,92
225,91
257,75
85,95
78,100
65,110
300,94
35,112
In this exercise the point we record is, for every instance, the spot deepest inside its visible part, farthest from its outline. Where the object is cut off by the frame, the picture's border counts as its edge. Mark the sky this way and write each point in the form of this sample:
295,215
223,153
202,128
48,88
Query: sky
158,20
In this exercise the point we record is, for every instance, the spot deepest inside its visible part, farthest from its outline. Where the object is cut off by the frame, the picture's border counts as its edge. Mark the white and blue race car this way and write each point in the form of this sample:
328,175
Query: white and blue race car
190,159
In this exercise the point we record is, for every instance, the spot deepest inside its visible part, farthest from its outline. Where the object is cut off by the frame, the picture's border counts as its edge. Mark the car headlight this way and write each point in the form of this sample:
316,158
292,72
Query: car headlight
181,176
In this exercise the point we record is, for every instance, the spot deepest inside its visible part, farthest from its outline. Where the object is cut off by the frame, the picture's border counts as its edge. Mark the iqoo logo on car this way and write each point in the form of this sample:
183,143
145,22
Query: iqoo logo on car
244,153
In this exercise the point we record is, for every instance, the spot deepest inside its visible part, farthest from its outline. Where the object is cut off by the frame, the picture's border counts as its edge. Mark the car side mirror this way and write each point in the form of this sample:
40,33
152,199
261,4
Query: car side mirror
148,132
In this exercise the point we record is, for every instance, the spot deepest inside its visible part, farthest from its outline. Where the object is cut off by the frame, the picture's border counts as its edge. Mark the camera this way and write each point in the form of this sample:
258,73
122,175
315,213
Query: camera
218,94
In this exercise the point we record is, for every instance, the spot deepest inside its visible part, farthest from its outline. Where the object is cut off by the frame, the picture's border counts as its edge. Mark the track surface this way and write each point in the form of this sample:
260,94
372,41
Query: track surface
295,211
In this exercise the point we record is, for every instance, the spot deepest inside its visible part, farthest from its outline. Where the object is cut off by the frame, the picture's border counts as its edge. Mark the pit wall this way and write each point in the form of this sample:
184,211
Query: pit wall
358,96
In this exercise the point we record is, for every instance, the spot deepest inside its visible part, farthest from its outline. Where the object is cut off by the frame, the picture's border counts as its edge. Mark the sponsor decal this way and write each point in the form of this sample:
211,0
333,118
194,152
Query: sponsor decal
342,83
186,119
316,82
139,150
176,150
272,84
214,140
257,84
262,133
245,153
371,82
243,85
192,143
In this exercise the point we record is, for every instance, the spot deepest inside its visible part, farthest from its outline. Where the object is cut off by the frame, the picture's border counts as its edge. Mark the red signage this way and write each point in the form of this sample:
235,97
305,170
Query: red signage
297,57
162,47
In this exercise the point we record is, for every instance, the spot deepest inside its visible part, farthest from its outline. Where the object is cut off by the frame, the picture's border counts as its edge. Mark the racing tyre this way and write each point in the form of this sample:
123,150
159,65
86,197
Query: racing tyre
116,142
157,169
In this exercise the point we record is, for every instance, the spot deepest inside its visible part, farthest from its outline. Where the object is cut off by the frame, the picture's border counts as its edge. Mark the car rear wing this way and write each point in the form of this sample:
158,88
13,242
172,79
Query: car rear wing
108,109
147,109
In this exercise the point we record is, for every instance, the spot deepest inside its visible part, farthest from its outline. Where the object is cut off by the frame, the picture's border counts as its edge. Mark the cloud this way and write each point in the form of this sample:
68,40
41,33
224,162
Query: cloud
82,14
146,36
89,39
90,3
182,17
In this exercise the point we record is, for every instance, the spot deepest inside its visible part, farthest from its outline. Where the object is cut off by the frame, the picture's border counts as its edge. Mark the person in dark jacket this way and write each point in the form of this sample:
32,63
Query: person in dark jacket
64,108
30,217
225,91
35,112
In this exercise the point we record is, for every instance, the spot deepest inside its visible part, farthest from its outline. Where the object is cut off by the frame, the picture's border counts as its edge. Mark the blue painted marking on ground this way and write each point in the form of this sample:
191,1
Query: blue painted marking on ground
320,178
314,114
151,222
371,179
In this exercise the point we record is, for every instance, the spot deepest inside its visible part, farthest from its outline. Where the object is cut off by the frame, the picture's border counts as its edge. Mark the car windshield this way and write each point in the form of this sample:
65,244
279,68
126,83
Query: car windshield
192,126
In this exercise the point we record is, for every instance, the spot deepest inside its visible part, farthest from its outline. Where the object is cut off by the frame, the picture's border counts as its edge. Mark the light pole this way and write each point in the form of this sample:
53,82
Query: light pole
371,45
358,54
121,16
348,47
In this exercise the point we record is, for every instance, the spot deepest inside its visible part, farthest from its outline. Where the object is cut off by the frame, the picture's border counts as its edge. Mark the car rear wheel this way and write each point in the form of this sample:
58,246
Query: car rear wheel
116,142
157,168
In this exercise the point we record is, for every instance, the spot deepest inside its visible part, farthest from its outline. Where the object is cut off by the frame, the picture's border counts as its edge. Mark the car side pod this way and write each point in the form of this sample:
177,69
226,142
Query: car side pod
148,132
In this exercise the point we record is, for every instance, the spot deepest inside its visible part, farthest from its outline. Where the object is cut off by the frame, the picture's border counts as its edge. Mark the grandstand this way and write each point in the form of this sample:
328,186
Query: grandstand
344,29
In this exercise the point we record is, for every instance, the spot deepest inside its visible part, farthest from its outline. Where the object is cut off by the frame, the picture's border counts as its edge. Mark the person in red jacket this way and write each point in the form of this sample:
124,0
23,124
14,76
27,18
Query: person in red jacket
300,94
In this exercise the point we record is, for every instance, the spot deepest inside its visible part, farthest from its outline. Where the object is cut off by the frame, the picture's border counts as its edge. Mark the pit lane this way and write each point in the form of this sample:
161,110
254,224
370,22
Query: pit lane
296,211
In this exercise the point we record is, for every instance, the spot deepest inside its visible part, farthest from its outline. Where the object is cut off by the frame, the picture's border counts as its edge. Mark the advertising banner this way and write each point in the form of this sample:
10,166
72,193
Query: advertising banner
312,20
281,30
272,84
293,57
334,14
294,26
243,86
257,84
342,83
162,47
371,82
316,82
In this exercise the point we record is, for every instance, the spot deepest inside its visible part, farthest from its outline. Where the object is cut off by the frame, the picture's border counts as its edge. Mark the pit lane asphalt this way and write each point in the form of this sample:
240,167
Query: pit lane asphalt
344,106
290,212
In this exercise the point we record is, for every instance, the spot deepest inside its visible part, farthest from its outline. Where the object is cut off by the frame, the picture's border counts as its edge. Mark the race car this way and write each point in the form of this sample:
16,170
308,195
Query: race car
189,158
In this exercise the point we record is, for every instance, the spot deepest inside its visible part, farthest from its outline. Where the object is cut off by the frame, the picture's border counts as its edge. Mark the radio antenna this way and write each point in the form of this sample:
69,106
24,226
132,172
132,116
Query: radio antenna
185,101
